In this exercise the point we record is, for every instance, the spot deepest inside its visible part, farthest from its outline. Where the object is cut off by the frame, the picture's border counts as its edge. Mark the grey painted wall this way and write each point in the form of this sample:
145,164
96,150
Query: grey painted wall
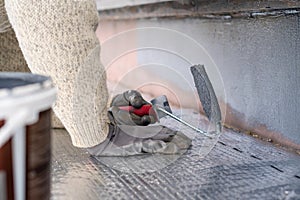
258,60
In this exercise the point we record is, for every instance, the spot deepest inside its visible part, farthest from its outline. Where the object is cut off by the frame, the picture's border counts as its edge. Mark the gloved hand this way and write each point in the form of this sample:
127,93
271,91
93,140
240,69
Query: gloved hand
129,98
126,138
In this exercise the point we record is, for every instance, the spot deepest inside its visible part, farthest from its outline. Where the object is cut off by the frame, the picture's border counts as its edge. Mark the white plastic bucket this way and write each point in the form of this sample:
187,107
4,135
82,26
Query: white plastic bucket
25,148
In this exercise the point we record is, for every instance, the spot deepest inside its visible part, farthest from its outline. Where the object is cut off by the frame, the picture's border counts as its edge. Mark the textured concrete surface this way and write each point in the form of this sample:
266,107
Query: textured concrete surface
238,167
136,9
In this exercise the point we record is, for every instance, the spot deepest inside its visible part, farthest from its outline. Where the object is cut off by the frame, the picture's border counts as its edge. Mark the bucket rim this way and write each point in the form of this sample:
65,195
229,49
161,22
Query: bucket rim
20,84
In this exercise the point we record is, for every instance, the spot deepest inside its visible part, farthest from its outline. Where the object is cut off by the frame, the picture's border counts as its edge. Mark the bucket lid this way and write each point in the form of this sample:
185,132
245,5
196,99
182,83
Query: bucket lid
15,83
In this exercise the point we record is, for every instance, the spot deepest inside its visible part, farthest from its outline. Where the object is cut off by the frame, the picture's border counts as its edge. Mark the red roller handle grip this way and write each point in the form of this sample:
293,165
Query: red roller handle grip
144,110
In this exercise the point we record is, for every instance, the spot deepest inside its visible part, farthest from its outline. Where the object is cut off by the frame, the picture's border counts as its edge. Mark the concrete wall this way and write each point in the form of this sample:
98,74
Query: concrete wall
254,65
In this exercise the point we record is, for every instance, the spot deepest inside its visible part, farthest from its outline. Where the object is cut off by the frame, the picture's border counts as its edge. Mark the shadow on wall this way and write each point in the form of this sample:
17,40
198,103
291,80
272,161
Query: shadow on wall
151,60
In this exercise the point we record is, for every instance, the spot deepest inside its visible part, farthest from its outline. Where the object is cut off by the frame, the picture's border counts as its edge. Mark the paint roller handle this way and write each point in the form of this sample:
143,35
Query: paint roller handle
144,110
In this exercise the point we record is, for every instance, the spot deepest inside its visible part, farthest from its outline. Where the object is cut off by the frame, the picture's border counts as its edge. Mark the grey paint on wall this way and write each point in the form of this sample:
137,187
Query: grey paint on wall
258,61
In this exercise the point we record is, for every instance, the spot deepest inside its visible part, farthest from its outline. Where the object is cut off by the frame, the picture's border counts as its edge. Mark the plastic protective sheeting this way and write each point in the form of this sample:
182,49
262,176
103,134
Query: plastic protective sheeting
238,167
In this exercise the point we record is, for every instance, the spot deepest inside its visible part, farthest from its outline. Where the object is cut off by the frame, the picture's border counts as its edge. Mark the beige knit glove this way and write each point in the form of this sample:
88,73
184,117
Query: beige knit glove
58,39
